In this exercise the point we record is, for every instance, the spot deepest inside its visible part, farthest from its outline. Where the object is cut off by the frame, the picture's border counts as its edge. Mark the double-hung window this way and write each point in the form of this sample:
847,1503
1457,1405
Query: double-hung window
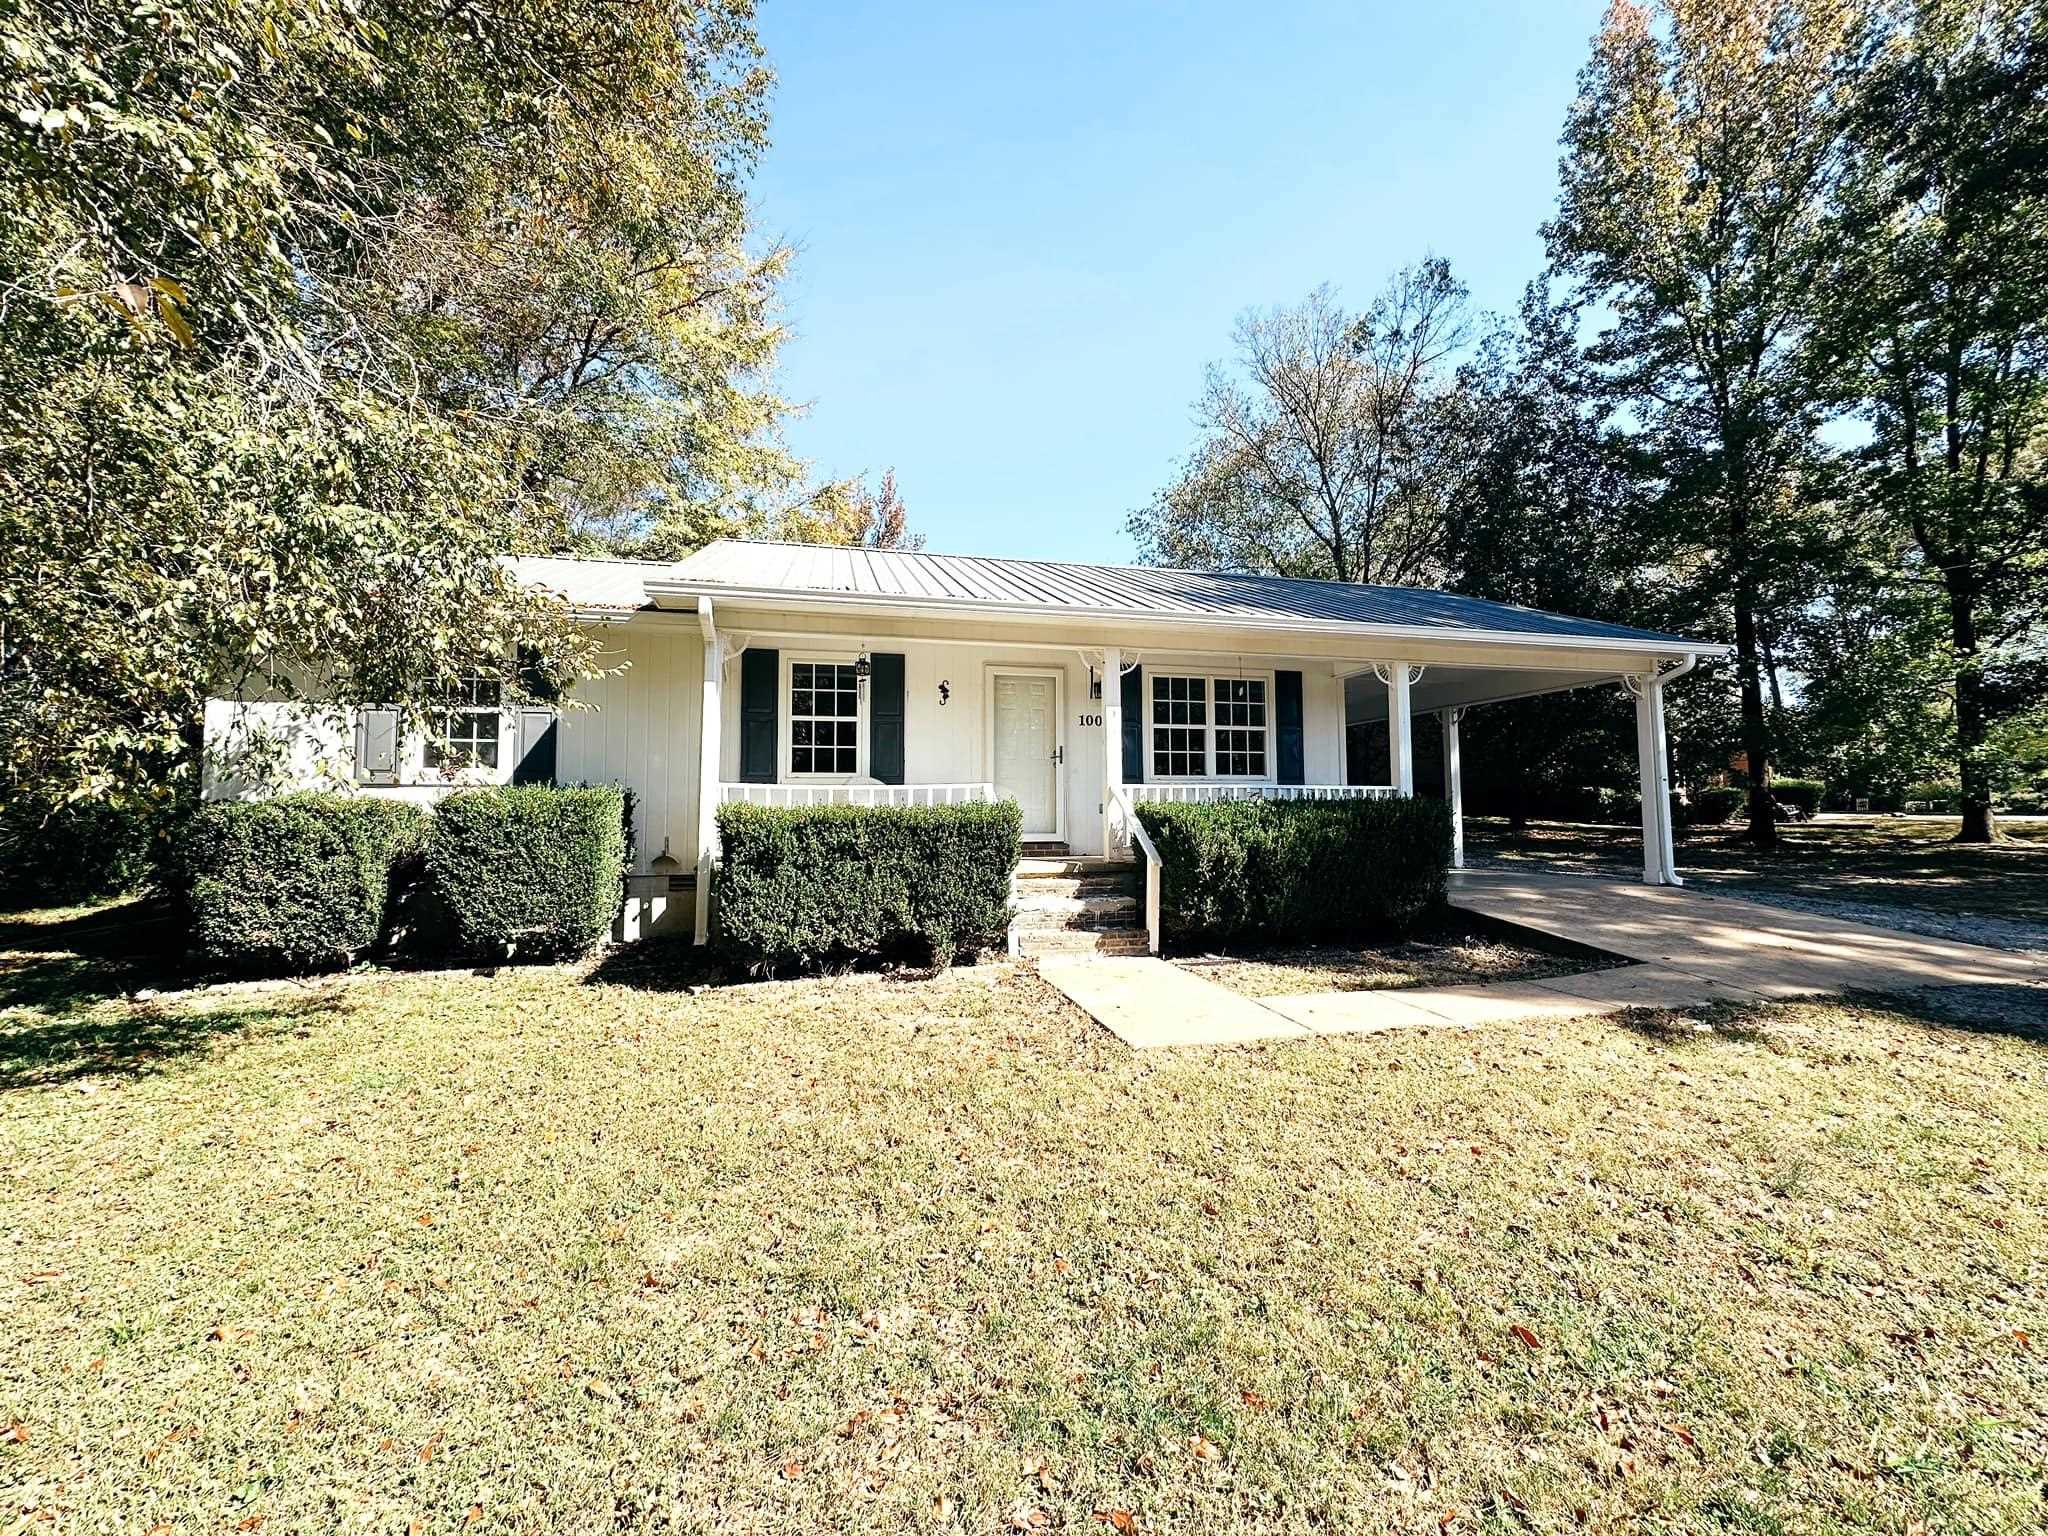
1209,727
463,727
824,718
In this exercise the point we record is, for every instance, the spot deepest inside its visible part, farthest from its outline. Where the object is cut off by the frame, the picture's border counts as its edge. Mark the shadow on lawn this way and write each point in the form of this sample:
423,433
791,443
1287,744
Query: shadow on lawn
662,963
76,961
53,974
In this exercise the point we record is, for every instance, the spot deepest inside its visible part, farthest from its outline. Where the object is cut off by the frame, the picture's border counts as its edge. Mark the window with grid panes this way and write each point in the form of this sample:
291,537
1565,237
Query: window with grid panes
463,732
1180,727
824,718
1240,727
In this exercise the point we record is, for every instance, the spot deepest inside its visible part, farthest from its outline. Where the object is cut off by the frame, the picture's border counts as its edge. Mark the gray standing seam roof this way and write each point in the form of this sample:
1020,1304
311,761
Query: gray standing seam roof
1140,591
1133,591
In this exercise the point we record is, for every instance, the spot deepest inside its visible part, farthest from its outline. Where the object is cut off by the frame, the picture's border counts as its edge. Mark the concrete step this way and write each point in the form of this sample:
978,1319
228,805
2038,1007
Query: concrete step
1066,867
1035,905
1072,885
1031,944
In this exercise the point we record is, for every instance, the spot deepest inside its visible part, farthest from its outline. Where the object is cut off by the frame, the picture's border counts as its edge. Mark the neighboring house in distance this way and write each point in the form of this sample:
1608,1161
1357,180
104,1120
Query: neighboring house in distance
794,674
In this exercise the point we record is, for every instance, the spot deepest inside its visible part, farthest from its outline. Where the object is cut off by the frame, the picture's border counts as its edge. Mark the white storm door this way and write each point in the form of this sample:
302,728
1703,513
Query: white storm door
1027,720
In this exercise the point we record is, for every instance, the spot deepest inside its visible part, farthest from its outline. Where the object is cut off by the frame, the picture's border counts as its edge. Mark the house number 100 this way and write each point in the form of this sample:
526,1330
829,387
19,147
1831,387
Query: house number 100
1091,719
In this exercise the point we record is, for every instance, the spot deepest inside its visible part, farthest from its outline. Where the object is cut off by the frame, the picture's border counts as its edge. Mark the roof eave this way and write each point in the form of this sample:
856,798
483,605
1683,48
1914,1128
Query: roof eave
683,595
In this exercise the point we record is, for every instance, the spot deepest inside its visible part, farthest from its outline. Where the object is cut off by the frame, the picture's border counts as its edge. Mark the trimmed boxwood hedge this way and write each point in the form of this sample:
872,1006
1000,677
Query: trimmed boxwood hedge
1258,871
824,886
297,883
530,871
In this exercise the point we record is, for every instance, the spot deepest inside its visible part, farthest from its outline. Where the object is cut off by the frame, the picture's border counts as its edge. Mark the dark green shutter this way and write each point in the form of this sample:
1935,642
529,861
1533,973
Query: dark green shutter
760,678
1290,759
885,717
1134,726
535,745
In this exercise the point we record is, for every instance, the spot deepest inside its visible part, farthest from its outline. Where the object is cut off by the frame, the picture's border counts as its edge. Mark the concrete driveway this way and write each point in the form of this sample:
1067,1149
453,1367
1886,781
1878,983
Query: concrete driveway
1690,947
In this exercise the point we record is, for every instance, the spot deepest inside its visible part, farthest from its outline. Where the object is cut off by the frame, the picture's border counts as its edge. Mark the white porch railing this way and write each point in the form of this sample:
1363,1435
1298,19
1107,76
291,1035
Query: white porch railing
1207,792
1124,830
786,795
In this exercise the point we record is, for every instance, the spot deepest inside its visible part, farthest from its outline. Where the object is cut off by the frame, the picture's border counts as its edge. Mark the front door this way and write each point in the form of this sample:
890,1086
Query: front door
1027,748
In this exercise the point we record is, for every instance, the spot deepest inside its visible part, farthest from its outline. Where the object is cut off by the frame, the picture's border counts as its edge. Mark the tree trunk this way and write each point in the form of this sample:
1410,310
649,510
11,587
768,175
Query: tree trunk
1980,825
1756,740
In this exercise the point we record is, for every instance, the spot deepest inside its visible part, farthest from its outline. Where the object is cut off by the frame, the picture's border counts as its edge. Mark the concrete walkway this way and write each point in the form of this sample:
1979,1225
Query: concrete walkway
1689,948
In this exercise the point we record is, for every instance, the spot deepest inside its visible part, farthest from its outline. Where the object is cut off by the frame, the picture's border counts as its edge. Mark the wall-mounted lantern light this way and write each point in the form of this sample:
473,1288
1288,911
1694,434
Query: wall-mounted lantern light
860,667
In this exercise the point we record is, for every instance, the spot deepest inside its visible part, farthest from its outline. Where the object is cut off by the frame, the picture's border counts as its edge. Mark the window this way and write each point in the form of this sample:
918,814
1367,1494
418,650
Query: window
1180,727
824,718
1209,727
464,729
1241,727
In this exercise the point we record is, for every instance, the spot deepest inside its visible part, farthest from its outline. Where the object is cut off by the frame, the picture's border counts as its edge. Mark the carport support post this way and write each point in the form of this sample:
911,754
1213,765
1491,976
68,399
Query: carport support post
1660,860
707,770
1400,730
1454,786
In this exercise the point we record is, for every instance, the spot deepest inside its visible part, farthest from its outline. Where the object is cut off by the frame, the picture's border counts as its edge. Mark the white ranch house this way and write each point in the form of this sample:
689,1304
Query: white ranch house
794,674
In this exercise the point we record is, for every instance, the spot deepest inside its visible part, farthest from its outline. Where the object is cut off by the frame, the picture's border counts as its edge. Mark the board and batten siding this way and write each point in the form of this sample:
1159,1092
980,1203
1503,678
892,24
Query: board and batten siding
642,731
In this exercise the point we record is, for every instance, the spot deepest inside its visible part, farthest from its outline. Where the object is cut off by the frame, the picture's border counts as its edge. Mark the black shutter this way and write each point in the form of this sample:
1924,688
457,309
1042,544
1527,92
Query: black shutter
1134,725
760,678
1289,757
885,717
535,744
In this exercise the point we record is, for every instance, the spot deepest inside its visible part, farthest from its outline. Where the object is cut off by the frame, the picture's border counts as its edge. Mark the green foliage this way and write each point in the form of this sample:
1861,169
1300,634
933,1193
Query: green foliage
1806,794
1327,451
531,871
1714,805
831,885
1250,871
297,883
316,310
55,855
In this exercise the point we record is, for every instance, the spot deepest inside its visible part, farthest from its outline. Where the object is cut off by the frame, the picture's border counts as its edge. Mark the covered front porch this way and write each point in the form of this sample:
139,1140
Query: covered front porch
1079,735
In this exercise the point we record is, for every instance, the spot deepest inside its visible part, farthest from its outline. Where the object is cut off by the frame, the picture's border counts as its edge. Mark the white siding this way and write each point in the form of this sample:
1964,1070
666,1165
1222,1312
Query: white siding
639,728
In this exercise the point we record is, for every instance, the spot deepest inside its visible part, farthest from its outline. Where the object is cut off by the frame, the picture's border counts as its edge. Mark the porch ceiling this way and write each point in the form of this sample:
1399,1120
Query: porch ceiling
1453,687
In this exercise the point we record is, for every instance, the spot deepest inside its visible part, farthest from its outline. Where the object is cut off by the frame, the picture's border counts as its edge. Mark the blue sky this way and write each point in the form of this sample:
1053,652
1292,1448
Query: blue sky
1024,229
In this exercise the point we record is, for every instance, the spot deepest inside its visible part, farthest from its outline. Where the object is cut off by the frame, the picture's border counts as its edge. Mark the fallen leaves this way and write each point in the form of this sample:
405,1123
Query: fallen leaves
1202,1448
1527,1336
1122,1521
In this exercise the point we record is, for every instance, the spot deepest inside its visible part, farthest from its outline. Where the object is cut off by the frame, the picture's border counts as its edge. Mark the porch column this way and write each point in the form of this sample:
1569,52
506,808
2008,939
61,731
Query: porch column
708,753
1653,760
1400,730
1454,788
1112,736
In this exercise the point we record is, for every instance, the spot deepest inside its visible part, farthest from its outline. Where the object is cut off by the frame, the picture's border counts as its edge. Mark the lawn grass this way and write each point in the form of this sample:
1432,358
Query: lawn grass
1453,950
1881,860
526,1252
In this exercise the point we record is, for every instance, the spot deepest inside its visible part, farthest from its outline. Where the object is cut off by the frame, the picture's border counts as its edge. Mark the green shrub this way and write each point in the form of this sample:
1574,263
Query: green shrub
55,855
1716,804
1240,871
298,883
531,871
1806,794
830,885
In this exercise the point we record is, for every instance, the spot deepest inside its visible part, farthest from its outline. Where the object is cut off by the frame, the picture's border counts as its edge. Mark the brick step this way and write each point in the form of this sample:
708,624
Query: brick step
1033,944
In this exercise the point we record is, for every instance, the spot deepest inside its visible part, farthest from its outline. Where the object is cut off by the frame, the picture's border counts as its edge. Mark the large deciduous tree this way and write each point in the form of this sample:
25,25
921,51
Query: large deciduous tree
312,311
1322,451
1698,157
1937,317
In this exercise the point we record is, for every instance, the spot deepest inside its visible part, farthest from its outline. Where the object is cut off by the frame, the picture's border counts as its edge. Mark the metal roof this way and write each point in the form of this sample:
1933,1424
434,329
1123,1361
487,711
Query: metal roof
1118,591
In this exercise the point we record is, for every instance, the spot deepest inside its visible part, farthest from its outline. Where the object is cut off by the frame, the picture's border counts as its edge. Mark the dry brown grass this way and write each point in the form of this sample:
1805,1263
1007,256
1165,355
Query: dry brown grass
528,1253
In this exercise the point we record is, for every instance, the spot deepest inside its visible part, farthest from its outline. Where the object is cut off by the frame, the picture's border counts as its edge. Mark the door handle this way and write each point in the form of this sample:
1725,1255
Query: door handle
1059,754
